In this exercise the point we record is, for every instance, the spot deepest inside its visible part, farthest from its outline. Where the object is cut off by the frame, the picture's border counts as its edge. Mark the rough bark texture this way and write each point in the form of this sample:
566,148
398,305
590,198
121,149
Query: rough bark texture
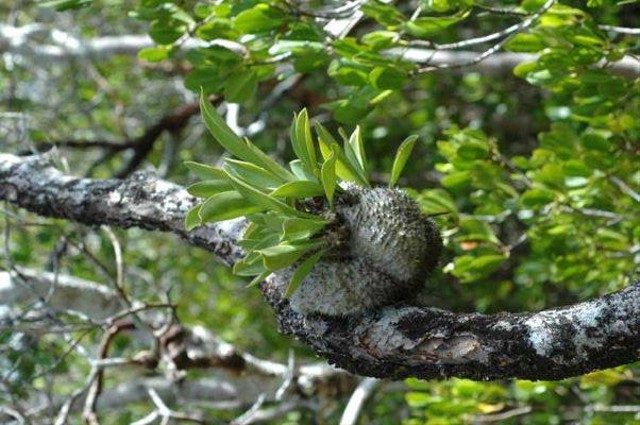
395,341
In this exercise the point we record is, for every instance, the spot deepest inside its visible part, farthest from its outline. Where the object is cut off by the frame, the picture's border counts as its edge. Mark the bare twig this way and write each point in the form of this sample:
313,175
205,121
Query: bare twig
358,399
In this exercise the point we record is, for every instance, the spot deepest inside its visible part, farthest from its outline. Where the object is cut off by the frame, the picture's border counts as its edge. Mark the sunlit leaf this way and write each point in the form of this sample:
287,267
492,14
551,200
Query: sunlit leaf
402,155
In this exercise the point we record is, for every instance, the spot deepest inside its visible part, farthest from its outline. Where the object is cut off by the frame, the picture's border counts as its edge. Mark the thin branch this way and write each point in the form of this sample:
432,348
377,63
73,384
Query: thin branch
357,401
507,34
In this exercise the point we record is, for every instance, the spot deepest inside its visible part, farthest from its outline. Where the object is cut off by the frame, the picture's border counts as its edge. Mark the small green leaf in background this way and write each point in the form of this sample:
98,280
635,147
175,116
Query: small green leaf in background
302,272
402,155
261,17
428,25
241,86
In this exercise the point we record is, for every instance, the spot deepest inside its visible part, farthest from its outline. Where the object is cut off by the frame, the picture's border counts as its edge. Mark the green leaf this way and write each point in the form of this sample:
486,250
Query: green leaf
252,174
302,142
167,30
265,201
227,205
298,189
284,255
344,168
535,198
249,266
259,18
238,147
387,78
402,155
301,172
207,188
302,272
241,86
206,172
301,229
428,25
154,54
192,218
259,279
356,148
328,176
385,14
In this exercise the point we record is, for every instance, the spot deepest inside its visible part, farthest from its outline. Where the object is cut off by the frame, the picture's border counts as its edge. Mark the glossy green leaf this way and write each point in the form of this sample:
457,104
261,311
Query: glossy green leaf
328,177
192,218
301,229
242,149
262,199
206,172
301,172
355,146
284,255
303,271
299,189
258,279
344,168
402,155
207,188
252,174
227,205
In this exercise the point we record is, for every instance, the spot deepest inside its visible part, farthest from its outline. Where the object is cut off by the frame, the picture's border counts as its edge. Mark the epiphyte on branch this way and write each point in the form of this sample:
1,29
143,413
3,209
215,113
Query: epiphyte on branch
390,251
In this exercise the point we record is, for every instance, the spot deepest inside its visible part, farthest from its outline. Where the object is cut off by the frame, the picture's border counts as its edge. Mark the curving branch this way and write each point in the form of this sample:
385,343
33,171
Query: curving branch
393,341
64,47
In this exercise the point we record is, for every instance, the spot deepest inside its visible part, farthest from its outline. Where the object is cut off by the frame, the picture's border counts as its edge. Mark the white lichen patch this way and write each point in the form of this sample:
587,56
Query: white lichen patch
549,330
541,333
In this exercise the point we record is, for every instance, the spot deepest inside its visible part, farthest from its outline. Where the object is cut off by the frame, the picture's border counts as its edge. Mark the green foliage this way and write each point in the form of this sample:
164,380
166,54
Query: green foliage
281,205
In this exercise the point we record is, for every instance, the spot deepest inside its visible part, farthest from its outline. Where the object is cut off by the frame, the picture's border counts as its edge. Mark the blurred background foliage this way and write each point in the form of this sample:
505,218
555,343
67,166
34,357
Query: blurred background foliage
533,174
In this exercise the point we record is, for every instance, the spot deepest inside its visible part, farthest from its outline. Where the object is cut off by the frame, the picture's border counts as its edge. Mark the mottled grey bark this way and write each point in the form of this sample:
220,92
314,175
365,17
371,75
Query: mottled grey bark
395,341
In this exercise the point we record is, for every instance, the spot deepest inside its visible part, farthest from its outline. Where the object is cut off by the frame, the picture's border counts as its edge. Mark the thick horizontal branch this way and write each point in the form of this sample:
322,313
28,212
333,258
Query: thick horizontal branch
65,47
393,342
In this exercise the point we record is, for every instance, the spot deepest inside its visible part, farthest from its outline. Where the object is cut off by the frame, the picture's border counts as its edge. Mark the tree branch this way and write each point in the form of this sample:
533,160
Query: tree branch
395,341
16,40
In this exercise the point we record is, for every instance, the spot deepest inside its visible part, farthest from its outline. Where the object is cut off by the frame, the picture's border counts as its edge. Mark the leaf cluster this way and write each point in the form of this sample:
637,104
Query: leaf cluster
288,208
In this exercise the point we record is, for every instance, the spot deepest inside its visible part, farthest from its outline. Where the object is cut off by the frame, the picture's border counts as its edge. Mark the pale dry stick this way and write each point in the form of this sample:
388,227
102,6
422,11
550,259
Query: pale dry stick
247,417
117,251
360,395
620,30
625,188
167,414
